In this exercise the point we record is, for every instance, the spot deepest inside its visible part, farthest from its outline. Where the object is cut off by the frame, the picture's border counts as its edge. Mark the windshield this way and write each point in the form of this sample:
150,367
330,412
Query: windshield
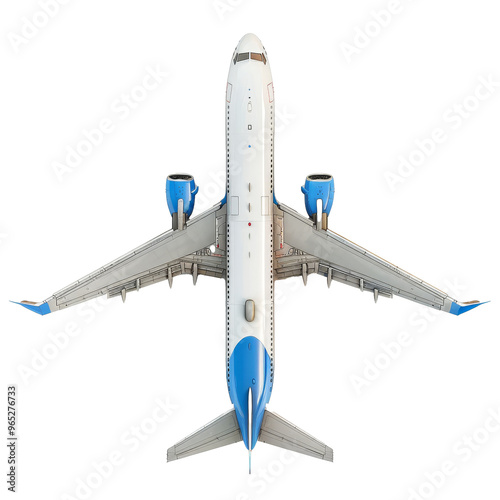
243,56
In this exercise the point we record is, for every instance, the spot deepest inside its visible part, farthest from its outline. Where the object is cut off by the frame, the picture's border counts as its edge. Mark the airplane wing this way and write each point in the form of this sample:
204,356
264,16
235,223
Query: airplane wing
183,251
302,249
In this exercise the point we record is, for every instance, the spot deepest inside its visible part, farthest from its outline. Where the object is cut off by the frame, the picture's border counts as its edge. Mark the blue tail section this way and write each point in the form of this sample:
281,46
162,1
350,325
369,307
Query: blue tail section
459,308
250,368
40,307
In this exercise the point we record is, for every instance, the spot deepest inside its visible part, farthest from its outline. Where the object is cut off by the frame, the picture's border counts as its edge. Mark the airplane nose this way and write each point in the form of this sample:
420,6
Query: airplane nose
250,43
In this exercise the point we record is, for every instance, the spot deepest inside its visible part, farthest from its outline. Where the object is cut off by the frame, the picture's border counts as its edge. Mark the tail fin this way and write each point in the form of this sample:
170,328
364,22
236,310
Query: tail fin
277,431
222,431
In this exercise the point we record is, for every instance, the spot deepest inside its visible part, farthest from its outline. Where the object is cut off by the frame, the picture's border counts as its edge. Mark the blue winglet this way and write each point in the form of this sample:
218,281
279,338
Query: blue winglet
458,308
42,308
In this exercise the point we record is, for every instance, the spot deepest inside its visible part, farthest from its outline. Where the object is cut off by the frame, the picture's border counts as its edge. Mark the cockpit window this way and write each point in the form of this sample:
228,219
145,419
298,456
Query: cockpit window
243,56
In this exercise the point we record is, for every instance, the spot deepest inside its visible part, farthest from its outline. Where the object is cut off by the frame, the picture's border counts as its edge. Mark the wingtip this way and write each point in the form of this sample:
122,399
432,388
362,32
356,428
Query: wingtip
41,308
171,454
458,308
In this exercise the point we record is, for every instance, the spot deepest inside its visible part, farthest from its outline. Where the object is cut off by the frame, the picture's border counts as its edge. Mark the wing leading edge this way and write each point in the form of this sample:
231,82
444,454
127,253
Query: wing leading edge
301,249
184,251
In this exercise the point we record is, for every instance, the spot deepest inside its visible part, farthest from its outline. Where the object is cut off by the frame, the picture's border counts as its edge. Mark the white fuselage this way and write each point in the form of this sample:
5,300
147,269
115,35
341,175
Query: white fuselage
250,186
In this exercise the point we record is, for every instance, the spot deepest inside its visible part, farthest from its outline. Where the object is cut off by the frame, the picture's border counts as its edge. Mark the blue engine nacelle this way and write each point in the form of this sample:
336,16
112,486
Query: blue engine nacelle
181,187
318,187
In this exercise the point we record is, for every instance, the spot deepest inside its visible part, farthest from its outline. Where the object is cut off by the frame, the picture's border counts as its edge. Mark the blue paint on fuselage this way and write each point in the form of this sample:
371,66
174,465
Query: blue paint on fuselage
250,366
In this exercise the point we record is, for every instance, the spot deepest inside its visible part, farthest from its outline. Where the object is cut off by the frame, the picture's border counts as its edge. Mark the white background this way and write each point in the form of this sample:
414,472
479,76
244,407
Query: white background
350,119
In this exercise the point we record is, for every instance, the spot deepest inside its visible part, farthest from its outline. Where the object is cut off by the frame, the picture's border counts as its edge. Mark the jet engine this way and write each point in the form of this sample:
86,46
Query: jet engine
318,196
181,192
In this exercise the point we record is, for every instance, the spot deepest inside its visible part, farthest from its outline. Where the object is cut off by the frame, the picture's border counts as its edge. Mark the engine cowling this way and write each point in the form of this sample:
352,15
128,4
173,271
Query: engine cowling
181,187
318,187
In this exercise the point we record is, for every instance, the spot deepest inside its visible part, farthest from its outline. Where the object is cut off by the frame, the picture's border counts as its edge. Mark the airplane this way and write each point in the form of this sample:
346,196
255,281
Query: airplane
250,240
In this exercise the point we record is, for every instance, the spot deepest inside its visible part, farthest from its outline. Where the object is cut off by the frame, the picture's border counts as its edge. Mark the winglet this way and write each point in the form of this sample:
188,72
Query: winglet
38,307
458,308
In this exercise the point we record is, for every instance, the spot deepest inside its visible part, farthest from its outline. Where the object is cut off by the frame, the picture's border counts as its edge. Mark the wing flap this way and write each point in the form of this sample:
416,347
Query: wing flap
207,265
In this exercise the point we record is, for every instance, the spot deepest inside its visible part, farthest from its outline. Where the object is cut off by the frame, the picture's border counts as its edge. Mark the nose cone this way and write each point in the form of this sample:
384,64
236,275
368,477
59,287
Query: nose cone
250,43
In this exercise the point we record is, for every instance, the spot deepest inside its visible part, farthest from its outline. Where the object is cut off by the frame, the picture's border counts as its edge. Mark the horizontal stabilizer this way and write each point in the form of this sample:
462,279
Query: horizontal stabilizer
279,432
222,431
38,307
